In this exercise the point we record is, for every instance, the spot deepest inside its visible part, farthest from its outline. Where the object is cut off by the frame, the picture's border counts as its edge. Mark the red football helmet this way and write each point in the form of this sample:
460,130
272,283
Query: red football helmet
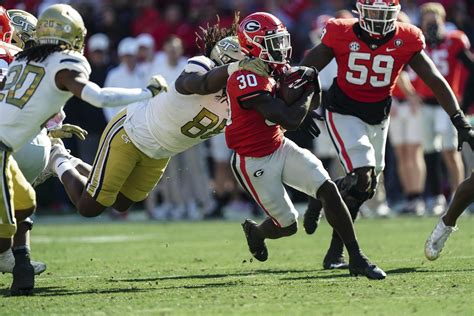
378,17
6,28
264,36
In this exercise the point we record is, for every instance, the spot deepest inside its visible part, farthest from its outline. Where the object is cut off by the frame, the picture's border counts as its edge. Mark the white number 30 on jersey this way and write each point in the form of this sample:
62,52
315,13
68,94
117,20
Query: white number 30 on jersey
381,65
248,80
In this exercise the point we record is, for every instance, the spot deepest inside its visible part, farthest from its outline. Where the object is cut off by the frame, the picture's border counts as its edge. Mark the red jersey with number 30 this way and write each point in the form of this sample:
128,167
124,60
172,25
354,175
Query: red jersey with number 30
445,57
368,73
247,132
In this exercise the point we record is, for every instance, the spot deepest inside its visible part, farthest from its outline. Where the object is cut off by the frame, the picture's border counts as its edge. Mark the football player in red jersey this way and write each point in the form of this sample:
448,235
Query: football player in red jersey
449,50
371,51
264,160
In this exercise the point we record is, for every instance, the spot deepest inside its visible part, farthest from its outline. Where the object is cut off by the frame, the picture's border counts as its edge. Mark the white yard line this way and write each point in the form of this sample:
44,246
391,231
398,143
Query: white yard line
91,239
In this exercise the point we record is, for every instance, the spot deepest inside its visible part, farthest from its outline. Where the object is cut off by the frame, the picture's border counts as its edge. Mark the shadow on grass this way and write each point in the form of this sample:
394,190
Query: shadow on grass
424,270
203,286
61,291
212,275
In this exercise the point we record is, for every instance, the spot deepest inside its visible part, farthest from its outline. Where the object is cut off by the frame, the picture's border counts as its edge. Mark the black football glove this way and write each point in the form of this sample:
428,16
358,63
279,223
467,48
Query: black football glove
309,126
465,131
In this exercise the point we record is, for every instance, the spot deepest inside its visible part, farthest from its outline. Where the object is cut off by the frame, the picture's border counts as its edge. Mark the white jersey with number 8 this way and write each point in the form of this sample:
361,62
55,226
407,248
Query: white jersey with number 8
30,97
172,122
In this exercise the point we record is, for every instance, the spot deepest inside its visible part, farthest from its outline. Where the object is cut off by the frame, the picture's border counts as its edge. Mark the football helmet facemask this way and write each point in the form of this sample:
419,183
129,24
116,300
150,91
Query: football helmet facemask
378,17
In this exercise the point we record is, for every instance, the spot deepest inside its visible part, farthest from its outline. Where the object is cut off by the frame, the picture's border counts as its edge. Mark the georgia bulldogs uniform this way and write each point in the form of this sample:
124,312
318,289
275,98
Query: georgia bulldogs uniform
264,160
358,103
438,132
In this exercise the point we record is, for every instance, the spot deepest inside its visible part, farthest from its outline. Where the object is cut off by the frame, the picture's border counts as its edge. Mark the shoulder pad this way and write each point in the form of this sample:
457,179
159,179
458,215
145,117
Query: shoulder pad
199,64
72,61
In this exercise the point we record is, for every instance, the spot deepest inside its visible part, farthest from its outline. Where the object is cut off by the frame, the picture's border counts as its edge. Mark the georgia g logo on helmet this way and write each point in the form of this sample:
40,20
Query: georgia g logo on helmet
252,26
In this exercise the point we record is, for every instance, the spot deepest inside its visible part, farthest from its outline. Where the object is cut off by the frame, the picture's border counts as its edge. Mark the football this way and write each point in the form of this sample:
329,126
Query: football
293,82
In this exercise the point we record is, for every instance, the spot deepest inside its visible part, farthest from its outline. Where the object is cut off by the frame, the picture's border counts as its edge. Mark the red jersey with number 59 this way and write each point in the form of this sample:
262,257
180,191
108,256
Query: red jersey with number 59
445,57
367,72
247,132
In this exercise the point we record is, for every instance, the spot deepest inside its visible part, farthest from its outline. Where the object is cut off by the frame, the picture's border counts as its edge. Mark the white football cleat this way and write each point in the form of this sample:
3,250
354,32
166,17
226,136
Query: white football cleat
7,262
57,150
435,242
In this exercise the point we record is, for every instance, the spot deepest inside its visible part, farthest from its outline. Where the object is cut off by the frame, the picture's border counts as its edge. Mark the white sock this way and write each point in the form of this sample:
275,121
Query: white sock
62,165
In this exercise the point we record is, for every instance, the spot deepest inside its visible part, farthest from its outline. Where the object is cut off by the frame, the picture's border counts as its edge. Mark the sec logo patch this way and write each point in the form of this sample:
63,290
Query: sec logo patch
354,46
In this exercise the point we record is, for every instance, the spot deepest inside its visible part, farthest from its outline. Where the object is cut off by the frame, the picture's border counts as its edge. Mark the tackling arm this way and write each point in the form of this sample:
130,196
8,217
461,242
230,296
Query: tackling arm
77,83
276,110
196,83
318,57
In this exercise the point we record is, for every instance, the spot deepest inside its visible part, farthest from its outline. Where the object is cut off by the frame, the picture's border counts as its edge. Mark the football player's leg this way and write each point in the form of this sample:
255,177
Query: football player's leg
447,223
261,178
304,172
144,178
25,203
84,191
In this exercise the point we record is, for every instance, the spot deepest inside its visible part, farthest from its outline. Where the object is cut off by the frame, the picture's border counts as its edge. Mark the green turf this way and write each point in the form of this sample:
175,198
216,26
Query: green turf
205,268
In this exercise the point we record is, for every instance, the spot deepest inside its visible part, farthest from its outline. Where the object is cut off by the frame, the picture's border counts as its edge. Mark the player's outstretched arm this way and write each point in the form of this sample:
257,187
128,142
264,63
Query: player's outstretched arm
78,84
197,83
215,80
427,71
318,57
276,110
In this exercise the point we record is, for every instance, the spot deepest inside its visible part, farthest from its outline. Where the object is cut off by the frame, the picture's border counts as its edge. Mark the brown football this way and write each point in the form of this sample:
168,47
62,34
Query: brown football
286,91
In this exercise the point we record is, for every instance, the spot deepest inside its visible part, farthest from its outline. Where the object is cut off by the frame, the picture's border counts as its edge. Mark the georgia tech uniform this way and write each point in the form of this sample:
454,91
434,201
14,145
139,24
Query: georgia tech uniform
29,99
137,144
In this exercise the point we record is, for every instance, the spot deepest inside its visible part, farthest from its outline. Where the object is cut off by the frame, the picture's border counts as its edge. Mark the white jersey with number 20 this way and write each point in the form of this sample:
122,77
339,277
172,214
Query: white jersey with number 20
30,97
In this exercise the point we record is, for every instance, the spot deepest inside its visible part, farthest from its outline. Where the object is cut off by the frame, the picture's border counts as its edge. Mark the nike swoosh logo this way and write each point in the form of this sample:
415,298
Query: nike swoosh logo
390,49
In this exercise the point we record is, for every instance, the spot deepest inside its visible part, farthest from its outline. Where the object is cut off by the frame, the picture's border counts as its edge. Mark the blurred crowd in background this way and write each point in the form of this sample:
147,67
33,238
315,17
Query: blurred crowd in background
128,41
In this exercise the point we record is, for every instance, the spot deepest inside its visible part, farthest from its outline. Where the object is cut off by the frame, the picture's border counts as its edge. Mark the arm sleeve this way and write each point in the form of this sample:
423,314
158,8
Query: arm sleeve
199,64
112,97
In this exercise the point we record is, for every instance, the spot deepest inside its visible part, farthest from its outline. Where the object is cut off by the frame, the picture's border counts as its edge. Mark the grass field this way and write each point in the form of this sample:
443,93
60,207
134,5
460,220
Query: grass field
204,268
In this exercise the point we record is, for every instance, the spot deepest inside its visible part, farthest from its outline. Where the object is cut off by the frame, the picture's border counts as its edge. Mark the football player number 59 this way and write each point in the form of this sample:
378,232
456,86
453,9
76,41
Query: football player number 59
382,66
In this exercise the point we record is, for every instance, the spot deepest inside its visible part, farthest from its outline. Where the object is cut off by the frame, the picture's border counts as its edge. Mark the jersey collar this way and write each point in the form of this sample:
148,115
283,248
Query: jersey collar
372,43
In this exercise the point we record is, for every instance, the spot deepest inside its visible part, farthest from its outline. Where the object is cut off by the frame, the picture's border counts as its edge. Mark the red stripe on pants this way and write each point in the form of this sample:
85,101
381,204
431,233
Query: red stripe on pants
252,189
345,156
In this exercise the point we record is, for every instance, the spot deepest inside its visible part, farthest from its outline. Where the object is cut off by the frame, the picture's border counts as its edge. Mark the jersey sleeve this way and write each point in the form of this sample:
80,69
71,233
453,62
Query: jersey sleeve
243,86
72,61
462,41
329,34
419,43
199,64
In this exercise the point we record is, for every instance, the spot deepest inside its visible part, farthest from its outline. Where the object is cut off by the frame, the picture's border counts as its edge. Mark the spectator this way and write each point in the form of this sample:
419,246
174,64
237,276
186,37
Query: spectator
127,74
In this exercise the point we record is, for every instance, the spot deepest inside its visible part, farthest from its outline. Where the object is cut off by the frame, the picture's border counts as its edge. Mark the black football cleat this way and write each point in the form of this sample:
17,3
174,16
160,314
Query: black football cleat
362,266
312,216
23,279
334,261
257,246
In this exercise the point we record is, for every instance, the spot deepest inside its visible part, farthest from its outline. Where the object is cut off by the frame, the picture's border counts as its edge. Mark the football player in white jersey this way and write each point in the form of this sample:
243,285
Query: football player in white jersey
39,82
137,144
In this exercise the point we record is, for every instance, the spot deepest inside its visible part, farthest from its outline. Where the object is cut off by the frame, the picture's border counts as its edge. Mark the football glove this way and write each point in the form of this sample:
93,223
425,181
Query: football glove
67,131
465,131
309,126
157,84
255,65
